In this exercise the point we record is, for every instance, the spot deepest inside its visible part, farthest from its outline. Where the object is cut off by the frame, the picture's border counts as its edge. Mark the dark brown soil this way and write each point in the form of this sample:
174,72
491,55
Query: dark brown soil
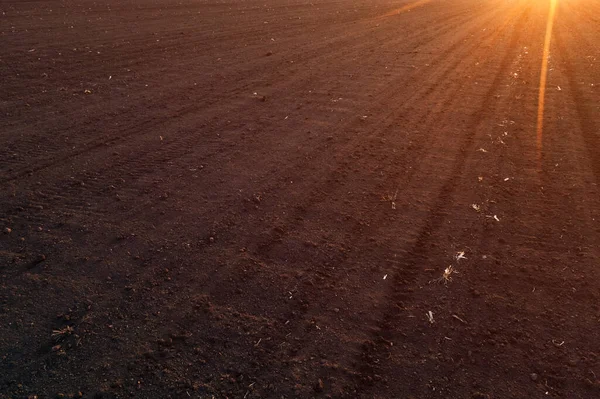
255,199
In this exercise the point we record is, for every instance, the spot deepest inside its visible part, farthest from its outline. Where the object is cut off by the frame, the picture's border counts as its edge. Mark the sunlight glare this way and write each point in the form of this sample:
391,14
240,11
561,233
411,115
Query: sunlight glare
405,8
544,76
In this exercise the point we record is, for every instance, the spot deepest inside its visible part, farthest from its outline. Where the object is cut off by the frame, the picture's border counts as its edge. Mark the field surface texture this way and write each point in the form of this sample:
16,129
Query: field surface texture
294,199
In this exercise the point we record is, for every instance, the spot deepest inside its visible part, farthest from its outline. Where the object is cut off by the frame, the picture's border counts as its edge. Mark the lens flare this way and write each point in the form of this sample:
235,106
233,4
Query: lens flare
544,77
405,8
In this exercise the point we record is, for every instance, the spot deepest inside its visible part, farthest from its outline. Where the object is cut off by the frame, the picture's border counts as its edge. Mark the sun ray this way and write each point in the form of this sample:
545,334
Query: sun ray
544,77
405,8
